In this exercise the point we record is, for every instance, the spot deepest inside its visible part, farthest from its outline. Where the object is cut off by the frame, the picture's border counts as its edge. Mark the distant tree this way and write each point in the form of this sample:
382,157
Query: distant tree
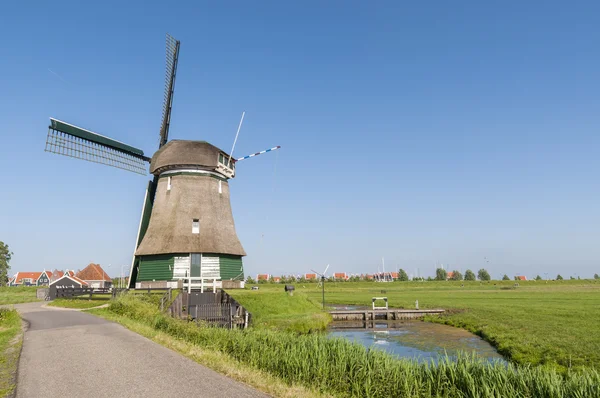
469,275
483,275
250,281
402,275
596,276
5,256
429,279
538,278
505,278
441,274
516,278
572,278
456,276
559,278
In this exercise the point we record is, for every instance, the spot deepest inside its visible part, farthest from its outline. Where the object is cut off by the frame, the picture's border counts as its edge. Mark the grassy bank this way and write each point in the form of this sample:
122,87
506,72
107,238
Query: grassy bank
553,323
277,310
81,302
10,348
342,368
17,294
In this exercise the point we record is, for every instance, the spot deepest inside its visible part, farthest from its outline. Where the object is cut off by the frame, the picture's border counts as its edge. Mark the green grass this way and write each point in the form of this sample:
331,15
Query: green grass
342,368
278,310
17,294
552,323
83,302
10,348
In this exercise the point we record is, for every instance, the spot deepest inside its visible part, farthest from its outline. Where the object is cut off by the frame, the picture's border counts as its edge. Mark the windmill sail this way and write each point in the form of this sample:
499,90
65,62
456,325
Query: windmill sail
69,140
172,58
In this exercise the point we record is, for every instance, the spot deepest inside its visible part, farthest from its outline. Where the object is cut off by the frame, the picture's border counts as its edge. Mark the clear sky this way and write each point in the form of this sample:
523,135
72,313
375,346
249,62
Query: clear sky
422,133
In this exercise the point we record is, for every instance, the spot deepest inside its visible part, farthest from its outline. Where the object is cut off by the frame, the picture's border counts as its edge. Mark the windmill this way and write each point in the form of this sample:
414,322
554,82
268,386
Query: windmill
322,282
186,229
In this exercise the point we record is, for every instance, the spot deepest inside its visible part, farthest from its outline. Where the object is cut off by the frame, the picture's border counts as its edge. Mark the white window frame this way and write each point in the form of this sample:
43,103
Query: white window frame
196,226
220,187
168,183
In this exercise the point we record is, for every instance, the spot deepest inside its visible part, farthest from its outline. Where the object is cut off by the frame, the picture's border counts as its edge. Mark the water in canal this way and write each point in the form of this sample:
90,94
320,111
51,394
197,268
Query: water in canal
415,339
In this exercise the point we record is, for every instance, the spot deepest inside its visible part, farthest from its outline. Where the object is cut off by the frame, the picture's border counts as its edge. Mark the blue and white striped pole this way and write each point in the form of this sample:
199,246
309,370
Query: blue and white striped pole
259,153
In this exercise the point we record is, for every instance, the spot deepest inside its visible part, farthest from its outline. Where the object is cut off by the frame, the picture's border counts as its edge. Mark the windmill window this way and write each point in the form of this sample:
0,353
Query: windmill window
168,183
221,159
195,226
220,187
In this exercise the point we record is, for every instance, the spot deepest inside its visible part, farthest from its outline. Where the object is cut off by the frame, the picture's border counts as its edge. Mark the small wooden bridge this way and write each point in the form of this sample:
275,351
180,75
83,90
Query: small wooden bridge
390,314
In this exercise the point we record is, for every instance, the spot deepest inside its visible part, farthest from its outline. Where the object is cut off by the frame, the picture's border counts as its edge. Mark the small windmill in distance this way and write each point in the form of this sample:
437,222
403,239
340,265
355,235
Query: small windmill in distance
322,283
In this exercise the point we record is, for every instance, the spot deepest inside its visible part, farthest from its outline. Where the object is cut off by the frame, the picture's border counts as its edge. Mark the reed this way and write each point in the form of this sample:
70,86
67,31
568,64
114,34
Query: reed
343,368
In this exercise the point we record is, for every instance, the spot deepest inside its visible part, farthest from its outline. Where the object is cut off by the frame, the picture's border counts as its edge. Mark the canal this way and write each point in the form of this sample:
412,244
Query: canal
423,341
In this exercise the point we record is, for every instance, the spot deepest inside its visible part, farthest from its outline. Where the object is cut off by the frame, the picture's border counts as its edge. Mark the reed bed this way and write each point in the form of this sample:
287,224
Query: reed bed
343,368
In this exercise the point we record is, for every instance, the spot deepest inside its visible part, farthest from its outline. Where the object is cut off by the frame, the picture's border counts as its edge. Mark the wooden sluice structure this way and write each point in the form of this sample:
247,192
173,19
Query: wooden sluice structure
390,314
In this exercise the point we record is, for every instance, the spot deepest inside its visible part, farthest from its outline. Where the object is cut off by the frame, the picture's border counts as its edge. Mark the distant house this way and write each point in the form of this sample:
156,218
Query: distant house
309,277
520,278
394,275
340,276
263,277
94,276
369,277
449,275
276,279
44,278
65,282
57,274
25,279
68,281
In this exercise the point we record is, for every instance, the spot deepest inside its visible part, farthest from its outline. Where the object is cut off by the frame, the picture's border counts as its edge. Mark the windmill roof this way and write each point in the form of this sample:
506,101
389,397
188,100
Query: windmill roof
186,153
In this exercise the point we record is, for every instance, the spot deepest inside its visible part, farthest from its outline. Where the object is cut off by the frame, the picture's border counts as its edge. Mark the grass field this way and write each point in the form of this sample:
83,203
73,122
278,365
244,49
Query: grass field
273,309
341,368
10,346
554,323
17,294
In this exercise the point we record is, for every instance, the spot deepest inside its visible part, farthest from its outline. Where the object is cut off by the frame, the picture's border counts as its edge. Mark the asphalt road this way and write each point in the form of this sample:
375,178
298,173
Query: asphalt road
74,354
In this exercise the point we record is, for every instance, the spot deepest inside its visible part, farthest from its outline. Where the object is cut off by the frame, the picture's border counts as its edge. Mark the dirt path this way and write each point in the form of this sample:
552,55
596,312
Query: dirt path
74,354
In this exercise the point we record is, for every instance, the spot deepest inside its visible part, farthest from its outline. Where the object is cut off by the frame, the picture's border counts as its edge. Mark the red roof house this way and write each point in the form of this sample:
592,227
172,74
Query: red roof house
521,278
309,277
340,276
94,276
263,277
25,279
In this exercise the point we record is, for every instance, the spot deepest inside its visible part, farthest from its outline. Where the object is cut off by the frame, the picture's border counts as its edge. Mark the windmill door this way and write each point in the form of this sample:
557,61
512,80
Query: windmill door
195,266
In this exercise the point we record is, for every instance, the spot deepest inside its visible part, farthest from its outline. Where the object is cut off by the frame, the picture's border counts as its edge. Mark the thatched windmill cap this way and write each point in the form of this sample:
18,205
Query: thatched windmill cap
177,154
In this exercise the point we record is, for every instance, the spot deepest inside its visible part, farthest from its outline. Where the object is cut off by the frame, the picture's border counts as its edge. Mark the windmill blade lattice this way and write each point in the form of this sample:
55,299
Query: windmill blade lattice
172,57
69,140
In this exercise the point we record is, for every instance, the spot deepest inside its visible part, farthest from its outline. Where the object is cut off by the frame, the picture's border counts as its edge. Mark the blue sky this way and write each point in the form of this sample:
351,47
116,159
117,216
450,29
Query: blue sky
424,134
